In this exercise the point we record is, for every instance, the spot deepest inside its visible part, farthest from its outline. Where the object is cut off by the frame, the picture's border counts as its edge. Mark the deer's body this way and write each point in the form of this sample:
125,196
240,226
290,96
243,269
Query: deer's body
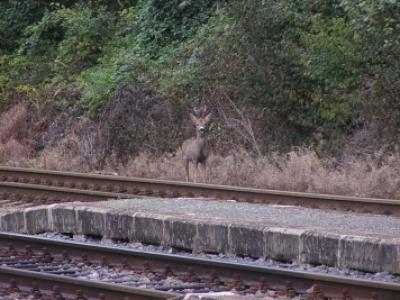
195,150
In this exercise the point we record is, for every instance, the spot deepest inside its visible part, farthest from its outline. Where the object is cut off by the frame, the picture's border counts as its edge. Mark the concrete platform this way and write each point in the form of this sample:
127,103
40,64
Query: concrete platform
344,240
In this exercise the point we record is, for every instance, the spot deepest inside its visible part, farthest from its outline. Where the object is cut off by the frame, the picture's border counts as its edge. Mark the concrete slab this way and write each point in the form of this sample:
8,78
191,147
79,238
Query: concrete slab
346,240
150,229
283,244
182,232
211,237
13,221
63,219
119,226
370,253
36,220
268,216
320,248
246,240
90,222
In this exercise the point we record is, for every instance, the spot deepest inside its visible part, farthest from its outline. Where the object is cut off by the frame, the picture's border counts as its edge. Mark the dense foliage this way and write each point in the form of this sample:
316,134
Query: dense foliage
275,73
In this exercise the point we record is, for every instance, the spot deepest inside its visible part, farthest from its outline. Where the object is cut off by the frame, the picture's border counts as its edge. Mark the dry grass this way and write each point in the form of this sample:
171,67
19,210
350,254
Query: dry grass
297,171
13,123
300,170
13,153
75,152
15,148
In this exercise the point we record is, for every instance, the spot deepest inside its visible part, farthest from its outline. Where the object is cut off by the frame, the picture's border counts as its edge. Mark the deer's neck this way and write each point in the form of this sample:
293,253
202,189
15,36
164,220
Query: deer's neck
200,139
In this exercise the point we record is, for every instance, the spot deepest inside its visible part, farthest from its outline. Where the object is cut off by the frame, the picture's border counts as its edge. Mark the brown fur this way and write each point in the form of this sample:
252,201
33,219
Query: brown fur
196,150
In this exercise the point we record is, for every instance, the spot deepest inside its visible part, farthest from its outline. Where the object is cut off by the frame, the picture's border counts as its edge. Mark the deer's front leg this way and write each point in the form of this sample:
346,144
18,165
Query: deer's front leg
204,172
196,170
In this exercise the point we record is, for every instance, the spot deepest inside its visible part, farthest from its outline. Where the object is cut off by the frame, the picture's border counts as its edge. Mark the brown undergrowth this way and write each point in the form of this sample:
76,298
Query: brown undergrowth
300,170
78,148
15,149
295,171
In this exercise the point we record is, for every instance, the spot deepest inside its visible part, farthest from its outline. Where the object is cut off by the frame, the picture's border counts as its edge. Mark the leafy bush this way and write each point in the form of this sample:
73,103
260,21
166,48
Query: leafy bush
312,66
276,74
15,16
162,23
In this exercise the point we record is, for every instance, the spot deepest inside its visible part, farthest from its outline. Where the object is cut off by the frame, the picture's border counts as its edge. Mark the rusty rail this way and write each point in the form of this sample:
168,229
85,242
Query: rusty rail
246,278
94,186
49,194
15,281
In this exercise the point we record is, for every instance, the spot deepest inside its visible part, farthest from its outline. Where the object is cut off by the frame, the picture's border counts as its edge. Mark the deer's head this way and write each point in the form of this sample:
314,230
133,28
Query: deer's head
201,124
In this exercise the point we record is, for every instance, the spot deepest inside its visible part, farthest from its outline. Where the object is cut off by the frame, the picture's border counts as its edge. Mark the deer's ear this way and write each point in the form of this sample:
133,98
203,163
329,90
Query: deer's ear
193,117
207,118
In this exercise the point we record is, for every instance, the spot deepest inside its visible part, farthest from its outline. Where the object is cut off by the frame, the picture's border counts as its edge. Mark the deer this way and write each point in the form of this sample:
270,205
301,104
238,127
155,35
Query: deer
195,150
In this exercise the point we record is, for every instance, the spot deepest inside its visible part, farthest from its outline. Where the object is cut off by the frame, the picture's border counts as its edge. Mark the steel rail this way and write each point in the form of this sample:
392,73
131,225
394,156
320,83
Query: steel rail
276,278
49,193
25,280
120,185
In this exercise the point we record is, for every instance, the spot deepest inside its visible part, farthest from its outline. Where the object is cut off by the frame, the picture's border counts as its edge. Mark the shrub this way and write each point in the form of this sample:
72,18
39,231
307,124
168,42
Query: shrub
276,74
15,16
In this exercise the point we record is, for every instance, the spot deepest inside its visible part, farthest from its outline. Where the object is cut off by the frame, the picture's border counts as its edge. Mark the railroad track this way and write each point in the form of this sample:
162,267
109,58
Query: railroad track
57,266
16,283
40,186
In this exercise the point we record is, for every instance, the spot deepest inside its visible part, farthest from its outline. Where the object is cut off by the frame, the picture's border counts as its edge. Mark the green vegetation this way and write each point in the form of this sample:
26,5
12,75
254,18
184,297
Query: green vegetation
304,72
